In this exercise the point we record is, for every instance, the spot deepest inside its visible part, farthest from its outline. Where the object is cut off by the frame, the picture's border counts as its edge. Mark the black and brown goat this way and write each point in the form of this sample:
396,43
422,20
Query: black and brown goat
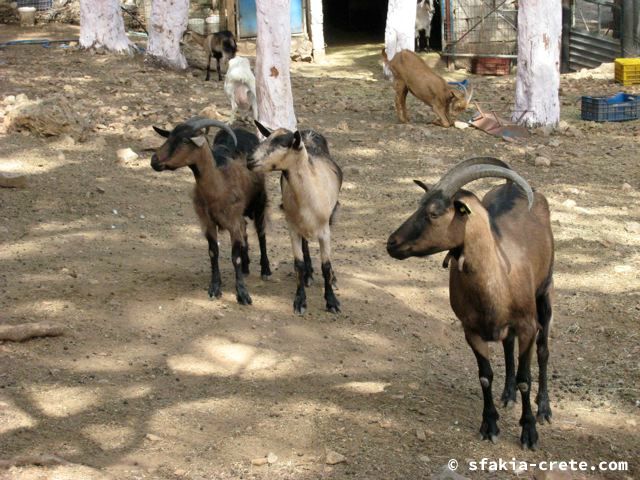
500,275
310,184
217,45
226,191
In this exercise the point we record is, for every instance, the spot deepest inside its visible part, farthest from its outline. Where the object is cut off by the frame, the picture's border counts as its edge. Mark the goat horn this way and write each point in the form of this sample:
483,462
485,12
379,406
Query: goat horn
198,123
468,95
468,163
460,178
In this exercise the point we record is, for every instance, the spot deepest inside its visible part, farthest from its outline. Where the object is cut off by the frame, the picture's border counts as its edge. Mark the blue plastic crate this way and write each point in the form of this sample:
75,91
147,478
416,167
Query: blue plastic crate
619,108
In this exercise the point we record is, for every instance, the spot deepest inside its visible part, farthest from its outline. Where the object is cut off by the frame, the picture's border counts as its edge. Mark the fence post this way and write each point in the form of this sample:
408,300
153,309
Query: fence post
566,34
628,29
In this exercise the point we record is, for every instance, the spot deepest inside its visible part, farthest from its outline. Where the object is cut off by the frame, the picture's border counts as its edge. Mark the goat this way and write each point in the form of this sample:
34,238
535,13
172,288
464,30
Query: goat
500,277
217,45
310,184
240,87
412,74
424,15
226,191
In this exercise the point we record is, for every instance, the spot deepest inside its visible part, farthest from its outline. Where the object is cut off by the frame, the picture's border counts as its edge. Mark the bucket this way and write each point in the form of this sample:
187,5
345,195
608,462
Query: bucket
27,16
196,25
212,24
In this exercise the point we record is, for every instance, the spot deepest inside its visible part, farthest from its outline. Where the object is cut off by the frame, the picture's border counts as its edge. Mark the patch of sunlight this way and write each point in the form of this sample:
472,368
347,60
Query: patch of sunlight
364,387
135,391
57,227
13,418
588,417
219,356
59,402
44,164
371,339
96,364
109,437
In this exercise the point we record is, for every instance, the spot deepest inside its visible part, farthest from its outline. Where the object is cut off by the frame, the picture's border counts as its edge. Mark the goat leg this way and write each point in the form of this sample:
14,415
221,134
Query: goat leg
260,224
308,264
489,428
245,254
242,295
333,305
529,436
508,397
300,300
218,68
206,79
543,304
401,99
214,253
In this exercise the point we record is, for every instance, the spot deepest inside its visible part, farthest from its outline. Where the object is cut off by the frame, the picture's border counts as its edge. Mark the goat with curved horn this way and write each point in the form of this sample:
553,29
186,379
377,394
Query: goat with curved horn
500,260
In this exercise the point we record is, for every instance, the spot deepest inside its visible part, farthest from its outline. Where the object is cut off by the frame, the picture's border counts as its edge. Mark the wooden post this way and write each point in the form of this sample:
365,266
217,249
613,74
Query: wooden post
566,36
628,30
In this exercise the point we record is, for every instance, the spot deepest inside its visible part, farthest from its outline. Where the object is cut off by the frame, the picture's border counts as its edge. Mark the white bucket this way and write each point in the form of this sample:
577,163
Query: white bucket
27,16
196,25
212,24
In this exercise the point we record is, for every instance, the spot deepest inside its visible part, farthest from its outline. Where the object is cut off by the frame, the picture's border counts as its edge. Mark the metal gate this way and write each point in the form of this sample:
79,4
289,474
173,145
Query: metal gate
480,28
595,34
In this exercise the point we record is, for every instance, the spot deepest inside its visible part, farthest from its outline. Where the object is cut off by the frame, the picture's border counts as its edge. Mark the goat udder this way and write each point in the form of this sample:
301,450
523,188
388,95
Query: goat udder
241,94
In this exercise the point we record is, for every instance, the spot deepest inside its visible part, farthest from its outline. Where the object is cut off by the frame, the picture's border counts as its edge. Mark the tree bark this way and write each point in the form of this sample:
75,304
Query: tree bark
168,21
273,48
102,26
317,29
400,28
538,79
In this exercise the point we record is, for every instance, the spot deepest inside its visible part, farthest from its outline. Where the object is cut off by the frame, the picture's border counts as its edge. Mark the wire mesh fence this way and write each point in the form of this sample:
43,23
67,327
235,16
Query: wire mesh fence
203,16
480,28
40,5
598,17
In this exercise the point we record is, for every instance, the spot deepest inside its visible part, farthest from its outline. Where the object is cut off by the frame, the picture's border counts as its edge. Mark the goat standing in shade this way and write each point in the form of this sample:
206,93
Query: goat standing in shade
226,191
500,264
219,45
310,184
424,15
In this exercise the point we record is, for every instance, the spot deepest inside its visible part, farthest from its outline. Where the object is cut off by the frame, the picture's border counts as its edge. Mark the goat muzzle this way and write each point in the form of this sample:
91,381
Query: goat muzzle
156,164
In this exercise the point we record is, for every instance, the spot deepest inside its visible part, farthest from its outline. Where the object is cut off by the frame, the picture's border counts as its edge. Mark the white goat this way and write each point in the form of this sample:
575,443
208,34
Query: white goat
424,14
240,87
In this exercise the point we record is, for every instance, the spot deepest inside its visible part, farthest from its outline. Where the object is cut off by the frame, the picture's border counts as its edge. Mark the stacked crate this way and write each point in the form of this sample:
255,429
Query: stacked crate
627,71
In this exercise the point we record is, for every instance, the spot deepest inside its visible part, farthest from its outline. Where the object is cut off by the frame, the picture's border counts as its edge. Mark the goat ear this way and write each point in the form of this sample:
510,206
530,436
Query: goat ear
162,132
262,129
297,141
199,141
422,185
461,207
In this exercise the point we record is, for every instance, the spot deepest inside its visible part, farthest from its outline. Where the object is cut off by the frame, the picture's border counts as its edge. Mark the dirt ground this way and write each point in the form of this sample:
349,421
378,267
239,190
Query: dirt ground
153,380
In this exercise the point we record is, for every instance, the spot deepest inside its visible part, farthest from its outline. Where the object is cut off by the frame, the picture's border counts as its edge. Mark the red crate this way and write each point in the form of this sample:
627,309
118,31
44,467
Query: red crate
491,66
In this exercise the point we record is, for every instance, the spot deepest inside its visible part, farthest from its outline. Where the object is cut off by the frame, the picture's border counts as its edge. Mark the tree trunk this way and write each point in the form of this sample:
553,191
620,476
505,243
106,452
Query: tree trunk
102,26
399,34
273,47
317,29
538,79
167,23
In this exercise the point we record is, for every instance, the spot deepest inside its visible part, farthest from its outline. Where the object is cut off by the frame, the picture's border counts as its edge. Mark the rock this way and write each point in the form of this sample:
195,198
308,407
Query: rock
632,227
424,459
554,143
546,131
9,100
126,155
152,438
61,157
259,461
350,169
626,187
272,458
334,458
569,203
421,435
542,162
447,474
460,125
563,125
8,180
623,268
211,112
343,126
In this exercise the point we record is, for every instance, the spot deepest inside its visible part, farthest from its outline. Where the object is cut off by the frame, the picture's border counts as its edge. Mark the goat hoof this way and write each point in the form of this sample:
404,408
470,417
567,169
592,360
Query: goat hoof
544,415
489,430
509,404
215,292
243,298
299,307
529,437
265,277
308,281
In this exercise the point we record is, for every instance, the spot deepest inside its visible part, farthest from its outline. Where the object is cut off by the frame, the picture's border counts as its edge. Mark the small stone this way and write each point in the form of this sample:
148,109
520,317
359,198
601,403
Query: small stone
9,100
343,126
626,187
623,268
8,180
100,190
124,108
424,459
61,157
259,461
350,169
334,458
569,203
179,472
126,155
272,458
554,143
421,435
632,227
460,125
542,162
152,438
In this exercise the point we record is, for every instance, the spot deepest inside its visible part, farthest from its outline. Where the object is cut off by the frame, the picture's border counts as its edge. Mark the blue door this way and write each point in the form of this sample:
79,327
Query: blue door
248,24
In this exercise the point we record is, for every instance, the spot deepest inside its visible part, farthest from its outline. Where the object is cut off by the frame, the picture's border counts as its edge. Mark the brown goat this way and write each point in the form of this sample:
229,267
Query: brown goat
412,74
500,278
217,45
226,191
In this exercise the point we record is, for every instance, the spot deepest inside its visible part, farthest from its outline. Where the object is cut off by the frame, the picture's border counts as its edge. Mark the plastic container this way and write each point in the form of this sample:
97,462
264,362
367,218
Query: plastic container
27,16
627,71
490,66
619,108
212,23
196,25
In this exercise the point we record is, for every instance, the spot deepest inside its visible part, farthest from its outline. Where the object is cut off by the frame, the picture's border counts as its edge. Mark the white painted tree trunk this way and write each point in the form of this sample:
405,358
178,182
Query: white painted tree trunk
400,29
317,29
167,23
538,79
102,26
273,47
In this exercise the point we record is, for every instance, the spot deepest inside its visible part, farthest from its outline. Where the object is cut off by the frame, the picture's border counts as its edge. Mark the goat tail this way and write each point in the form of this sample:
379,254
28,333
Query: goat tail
385,59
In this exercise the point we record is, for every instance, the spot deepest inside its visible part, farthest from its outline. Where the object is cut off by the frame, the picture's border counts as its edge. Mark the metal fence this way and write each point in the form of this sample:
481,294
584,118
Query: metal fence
41,5
480,28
